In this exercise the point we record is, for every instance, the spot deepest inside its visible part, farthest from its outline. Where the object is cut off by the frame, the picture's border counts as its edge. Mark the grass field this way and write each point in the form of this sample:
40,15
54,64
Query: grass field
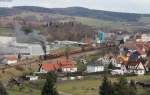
6,31
83,87
76,87
90,87
98,23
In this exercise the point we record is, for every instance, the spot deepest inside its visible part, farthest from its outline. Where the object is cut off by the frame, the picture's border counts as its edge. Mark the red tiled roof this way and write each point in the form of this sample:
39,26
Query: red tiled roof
67,63
11,58
50,67
60,64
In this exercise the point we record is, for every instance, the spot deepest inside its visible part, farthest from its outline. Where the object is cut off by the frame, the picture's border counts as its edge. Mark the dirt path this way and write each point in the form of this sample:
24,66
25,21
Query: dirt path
64,93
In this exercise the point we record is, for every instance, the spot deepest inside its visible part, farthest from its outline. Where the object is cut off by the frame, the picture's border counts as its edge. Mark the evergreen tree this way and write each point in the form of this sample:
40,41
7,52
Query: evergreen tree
2,90
110,66
106,87
27,30
123,88
49,87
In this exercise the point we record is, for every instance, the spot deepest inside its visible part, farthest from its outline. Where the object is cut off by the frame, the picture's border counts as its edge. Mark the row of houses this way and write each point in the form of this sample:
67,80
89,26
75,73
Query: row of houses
134,58
121,66
131,62
135,67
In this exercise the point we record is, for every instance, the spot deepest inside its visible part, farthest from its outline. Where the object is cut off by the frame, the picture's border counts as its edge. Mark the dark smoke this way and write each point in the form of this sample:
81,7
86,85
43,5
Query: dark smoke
29,35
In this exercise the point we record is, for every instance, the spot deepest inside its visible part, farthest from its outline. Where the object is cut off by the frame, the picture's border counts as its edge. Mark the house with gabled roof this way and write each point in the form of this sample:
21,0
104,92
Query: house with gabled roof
68,66
65,65
136,67
106,60
121,68
10,59
49,67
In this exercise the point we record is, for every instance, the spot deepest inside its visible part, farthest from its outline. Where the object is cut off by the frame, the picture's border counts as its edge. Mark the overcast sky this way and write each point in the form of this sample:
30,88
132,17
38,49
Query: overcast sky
132,6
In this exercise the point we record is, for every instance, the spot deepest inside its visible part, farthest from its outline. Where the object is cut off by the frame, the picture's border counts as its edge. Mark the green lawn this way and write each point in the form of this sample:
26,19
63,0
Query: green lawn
97,22
84,87
32,88
76,87
90,87
25,91
139,78
6,31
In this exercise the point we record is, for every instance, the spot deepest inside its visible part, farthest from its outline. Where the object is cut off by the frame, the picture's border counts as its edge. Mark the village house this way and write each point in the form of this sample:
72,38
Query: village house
117,72
129,63
66,66
136,67
48,67
107,60
11,59
113,61
120,69
122,60
95,67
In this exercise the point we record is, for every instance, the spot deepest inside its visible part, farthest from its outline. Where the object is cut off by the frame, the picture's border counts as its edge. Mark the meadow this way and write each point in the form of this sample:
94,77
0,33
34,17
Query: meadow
88,86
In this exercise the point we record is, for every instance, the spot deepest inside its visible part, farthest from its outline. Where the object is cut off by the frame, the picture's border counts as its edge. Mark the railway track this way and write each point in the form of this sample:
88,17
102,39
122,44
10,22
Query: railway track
37,61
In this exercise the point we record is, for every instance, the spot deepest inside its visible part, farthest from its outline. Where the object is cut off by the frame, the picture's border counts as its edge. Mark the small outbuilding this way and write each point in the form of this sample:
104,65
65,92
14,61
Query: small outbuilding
11,59
95,67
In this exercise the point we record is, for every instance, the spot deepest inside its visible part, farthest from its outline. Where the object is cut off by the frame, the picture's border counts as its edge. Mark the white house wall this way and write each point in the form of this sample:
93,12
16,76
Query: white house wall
12,62
138,69
91,69
69,69
124,69
29,49
140,66
106,61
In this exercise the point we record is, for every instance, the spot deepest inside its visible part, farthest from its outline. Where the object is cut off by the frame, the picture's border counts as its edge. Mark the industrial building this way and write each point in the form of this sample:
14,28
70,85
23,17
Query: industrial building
9,46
